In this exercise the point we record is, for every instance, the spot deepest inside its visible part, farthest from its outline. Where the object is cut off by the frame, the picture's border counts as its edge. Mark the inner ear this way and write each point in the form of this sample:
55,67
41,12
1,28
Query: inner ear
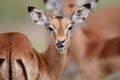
39,14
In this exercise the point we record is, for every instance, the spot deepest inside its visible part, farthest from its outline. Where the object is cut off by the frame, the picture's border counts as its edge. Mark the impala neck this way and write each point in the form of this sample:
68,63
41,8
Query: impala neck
55,61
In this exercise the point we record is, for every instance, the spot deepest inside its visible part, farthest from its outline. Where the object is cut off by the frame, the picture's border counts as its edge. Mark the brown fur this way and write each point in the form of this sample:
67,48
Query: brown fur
46,66
107,27
60,25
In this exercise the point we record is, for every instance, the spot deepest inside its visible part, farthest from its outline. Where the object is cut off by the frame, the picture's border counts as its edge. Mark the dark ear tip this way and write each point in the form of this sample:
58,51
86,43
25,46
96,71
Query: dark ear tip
45,1
30,8
97,0
88,5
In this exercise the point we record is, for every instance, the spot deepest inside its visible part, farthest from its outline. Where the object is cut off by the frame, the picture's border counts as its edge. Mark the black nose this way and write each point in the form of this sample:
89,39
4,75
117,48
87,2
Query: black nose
60,45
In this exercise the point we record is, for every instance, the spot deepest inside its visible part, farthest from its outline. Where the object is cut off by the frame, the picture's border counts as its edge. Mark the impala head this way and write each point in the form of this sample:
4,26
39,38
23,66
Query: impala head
60,28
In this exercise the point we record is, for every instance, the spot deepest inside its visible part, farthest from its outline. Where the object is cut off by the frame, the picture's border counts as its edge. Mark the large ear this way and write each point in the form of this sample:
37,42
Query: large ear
38,16
81,13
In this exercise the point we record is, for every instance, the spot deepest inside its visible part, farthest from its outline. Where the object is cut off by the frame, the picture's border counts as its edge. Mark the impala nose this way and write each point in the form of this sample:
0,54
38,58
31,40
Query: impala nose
60,43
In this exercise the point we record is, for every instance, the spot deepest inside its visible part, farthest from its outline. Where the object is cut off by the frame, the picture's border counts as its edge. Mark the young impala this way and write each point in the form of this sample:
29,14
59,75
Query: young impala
19,60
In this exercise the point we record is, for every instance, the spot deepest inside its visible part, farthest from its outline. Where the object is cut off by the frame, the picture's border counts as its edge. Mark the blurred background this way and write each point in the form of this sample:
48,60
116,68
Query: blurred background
15,18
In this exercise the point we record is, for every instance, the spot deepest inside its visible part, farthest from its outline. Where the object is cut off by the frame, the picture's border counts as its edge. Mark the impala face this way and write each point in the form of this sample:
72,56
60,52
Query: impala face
60,28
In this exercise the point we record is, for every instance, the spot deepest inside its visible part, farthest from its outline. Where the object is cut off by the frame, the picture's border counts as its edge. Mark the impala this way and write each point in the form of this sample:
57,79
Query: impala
20,61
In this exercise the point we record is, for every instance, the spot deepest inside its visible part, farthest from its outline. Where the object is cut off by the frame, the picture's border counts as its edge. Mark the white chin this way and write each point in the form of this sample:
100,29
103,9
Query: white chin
62,50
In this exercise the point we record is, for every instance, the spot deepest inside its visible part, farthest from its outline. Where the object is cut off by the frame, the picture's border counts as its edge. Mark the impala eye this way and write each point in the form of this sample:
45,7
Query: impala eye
70,28
50,29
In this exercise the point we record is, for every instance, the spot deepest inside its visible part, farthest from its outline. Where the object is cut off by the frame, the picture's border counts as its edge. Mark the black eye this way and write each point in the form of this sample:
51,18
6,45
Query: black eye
50,29
70,28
